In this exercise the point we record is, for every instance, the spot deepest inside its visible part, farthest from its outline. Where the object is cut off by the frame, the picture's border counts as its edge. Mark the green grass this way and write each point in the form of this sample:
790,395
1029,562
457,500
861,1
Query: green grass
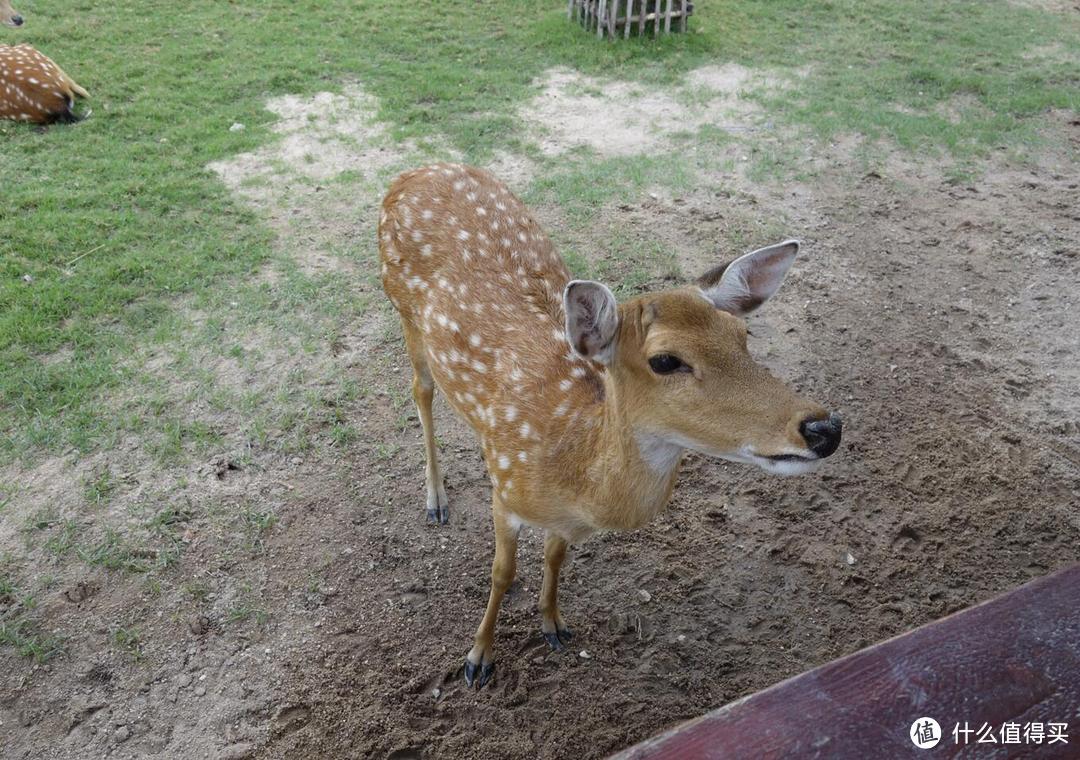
247,606
100,487
108,226
255,525
19,629
166,521
28,640
128,640
64,540
114,551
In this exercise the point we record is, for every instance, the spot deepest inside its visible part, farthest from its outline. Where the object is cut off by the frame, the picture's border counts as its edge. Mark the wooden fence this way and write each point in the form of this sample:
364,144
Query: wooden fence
627,16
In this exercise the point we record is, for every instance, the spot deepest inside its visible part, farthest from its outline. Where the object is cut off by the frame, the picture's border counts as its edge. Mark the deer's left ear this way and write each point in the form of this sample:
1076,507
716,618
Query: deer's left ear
750,280
592,320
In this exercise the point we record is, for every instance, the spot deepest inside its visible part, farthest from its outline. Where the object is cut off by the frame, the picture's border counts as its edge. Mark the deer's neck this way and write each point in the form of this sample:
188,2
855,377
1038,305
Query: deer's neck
630,473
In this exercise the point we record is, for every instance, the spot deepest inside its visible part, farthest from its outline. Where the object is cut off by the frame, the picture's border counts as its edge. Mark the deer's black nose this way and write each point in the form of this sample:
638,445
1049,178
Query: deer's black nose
17,20
822,436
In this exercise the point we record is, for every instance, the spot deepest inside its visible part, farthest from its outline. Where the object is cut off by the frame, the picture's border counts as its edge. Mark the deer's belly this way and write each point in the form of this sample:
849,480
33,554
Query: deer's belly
24,102
573,530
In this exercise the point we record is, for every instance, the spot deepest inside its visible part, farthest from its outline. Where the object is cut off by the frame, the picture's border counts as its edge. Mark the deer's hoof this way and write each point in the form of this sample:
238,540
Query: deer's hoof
438,515
478,674
558,639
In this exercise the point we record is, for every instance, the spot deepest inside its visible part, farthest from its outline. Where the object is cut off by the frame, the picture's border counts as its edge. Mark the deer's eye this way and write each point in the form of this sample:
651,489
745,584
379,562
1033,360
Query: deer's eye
665,364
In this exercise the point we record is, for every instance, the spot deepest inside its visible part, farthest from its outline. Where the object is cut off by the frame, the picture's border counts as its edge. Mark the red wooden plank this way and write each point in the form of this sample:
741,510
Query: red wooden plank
1015,658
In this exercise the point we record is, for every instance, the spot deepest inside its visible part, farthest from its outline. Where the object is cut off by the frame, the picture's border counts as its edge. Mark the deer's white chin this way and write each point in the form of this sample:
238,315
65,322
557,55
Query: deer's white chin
663,451
789,464
799,466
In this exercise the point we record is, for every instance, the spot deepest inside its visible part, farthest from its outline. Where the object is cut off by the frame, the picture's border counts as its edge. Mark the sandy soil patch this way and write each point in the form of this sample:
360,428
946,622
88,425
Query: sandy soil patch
625,118
1054,6
318,184
322,136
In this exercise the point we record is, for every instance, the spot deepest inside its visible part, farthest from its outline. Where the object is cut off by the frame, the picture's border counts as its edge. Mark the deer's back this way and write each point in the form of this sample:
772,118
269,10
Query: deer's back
32,87
468,267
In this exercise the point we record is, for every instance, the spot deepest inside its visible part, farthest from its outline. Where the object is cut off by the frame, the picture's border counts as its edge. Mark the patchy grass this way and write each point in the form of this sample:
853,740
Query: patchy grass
255,524
165,522
27,639
129,641
247,607
100,487
951,77
18,628
581,188
108,223
64,540
114,551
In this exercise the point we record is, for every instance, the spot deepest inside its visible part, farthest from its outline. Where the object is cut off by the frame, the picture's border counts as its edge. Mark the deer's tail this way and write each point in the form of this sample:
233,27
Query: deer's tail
71,83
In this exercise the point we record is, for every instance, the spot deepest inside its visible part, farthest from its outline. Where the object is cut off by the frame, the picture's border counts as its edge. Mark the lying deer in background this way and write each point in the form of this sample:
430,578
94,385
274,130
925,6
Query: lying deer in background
8,16
584,407
33,88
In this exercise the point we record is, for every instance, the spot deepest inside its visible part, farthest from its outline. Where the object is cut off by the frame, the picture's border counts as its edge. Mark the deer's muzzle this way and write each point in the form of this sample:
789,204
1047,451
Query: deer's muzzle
822,436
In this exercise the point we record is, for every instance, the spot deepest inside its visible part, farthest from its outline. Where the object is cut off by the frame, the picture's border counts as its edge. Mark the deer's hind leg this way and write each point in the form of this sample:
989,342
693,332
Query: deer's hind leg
423,388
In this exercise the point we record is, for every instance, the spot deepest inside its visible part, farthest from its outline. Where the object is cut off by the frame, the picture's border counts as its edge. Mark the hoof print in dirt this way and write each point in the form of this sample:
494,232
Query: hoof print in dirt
223,466
199,625
291,718
79,592
478,674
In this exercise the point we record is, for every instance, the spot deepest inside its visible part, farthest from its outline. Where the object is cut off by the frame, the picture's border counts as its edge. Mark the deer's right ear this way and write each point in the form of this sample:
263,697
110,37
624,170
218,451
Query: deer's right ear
592,320
750,280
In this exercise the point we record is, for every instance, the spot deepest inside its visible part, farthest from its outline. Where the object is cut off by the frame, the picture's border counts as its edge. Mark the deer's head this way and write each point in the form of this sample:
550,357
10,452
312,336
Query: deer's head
679,367
8,16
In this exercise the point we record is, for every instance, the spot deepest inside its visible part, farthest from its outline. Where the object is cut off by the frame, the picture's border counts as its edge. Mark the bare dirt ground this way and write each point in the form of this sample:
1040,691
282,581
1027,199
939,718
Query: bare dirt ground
937,317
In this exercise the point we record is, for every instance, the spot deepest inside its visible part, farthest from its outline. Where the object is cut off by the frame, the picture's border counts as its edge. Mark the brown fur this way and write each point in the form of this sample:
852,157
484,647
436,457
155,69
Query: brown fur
8,15
33,88
479,287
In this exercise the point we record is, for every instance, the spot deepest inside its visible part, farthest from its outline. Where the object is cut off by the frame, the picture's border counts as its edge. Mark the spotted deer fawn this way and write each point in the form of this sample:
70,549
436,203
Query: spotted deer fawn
583,406
8,16
33,88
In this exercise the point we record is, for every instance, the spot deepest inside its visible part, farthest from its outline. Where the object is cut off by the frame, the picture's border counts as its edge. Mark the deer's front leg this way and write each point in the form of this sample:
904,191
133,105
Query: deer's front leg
480,662
554,629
